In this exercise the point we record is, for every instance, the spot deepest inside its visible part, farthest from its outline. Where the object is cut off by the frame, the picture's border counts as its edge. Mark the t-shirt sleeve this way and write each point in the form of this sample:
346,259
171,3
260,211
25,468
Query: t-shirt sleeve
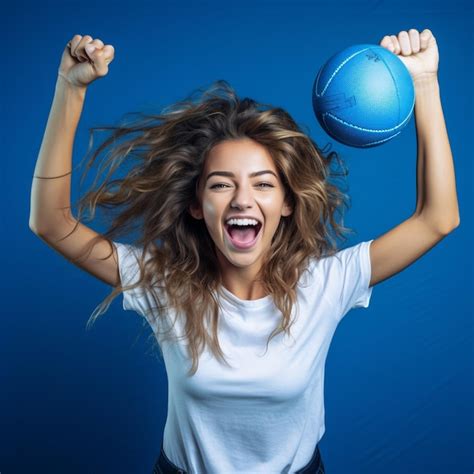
134,299
353,270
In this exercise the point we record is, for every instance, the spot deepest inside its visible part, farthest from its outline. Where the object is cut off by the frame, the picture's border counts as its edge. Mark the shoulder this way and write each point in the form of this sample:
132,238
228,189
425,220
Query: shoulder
340,260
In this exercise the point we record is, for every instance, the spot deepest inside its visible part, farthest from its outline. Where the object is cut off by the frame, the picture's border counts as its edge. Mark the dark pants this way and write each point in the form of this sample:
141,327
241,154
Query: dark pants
164,466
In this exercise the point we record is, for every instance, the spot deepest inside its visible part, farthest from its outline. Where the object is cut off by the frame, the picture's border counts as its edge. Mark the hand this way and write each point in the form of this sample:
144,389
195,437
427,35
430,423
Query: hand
79,66
419,52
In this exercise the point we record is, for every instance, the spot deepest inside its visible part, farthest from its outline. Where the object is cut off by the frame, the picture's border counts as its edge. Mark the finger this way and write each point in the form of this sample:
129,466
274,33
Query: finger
102,58
81,48
404,41
414,40
73,43
425,37
396,44
109,53
387,43
97,45
79,51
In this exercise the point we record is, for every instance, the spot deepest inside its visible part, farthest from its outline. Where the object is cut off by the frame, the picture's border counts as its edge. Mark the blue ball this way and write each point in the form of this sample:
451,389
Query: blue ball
363,96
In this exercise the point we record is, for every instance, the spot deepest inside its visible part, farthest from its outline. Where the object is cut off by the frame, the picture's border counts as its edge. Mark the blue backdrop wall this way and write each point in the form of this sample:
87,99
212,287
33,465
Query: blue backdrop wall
398,391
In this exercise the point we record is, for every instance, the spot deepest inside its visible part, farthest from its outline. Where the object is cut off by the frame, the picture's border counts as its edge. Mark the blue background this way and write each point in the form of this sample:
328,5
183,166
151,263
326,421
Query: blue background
399,389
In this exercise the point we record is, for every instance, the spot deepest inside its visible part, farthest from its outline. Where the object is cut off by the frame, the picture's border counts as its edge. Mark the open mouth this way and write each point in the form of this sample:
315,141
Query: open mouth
243,237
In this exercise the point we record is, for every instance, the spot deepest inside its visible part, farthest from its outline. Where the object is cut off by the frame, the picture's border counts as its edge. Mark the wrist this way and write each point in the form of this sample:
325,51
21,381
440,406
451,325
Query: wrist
425,81
64,83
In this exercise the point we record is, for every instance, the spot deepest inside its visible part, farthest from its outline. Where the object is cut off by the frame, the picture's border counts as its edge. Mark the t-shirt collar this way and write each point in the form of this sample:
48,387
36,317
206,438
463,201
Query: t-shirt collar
230,299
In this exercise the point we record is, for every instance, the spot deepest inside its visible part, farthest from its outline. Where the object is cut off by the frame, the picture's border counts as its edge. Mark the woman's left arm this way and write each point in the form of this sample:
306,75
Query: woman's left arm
437,201
437,211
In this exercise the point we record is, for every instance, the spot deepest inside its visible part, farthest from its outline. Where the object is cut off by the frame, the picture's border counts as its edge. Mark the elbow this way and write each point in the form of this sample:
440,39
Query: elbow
457,222
439,225
446,229
35,229
32,228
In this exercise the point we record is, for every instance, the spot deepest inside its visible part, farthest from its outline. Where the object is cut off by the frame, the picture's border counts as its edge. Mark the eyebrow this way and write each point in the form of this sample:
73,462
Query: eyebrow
232,175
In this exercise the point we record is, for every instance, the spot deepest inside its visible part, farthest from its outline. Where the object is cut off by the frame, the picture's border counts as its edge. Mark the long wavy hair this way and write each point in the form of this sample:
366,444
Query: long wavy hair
166,154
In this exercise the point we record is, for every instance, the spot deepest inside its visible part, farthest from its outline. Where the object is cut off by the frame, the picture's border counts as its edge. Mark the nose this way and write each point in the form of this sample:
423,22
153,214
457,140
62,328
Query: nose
243,197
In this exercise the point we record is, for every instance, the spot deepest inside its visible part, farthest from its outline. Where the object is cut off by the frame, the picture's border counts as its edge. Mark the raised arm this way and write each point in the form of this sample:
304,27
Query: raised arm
51,186
437,211
50,208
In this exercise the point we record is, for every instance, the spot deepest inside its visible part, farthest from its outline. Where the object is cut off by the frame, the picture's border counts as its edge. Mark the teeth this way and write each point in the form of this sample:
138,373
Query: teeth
242,222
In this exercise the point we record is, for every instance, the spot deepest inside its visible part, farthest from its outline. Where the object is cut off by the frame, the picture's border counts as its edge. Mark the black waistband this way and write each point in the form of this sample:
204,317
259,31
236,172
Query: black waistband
164,465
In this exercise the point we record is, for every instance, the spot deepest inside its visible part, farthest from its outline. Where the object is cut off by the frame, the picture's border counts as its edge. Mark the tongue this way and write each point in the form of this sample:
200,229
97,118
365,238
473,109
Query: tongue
244,235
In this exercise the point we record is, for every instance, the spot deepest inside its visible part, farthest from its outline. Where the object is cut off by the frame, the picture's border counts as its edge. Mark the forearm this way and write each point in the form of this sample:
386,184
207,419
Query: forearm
51,198
437,199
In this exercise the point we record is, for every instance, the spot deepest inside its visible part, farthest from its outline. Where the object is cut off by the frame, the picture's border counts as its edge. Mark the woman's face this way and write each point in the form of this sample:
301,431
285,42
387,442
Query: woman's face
227,188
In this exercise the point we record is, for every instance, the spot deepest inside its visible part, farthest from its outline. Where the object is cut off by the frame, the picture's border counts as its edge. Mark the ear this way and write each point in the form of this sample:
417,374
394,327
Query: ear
195,210
287,209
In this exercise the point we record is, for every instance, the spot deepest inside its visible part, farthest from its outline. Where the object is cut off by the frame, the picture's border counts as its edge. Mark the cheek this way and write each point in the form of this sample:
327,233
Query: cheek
210,210
271,200
212,218
272,206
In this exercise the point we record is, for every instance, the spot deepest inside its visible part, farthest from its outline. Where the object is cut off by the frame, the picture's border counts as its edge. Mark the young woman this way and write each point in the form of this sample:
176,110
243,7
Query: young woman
236,267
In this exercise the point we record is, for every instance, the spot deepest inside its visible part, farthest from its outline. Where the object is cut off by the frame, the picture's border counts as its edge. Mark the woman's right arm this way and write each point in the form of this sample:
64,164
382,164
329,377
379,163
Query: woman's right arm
51,186
50,213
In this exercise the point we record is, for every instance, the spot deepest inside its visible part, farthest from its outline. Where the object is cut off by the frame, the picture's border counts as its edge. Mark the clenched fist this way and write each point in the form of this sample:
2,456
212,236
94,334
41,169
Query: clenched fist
84,60
418,51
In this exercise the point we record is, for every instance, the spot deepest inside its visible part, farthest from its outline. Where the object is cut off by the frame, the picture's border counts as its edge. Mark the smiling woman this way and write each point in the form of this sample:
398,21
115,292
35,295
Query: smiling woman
240,246
236,267
235,211
201,163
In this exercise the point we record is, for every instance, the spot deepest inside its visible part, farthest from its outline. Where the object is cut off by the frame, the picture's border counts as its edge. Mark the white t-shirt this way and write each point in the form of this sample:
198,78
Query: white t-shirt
266,413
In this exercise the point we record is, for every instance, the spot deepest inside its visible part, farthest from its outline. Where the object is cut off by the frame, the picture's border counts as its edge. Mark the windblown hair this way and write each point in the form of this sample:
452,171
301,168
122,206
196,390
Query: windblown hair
156,193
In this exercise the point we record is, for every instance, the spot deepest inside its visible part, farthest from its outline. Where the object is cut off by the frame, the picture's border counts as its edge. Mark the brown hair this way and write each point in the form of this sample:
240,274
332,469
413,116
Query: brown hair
156,192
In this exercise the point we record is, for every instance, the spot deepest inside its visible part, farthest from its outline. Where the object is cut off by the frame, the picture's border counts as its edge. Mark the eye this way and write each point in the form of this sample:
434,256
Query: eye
259,184
217,185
